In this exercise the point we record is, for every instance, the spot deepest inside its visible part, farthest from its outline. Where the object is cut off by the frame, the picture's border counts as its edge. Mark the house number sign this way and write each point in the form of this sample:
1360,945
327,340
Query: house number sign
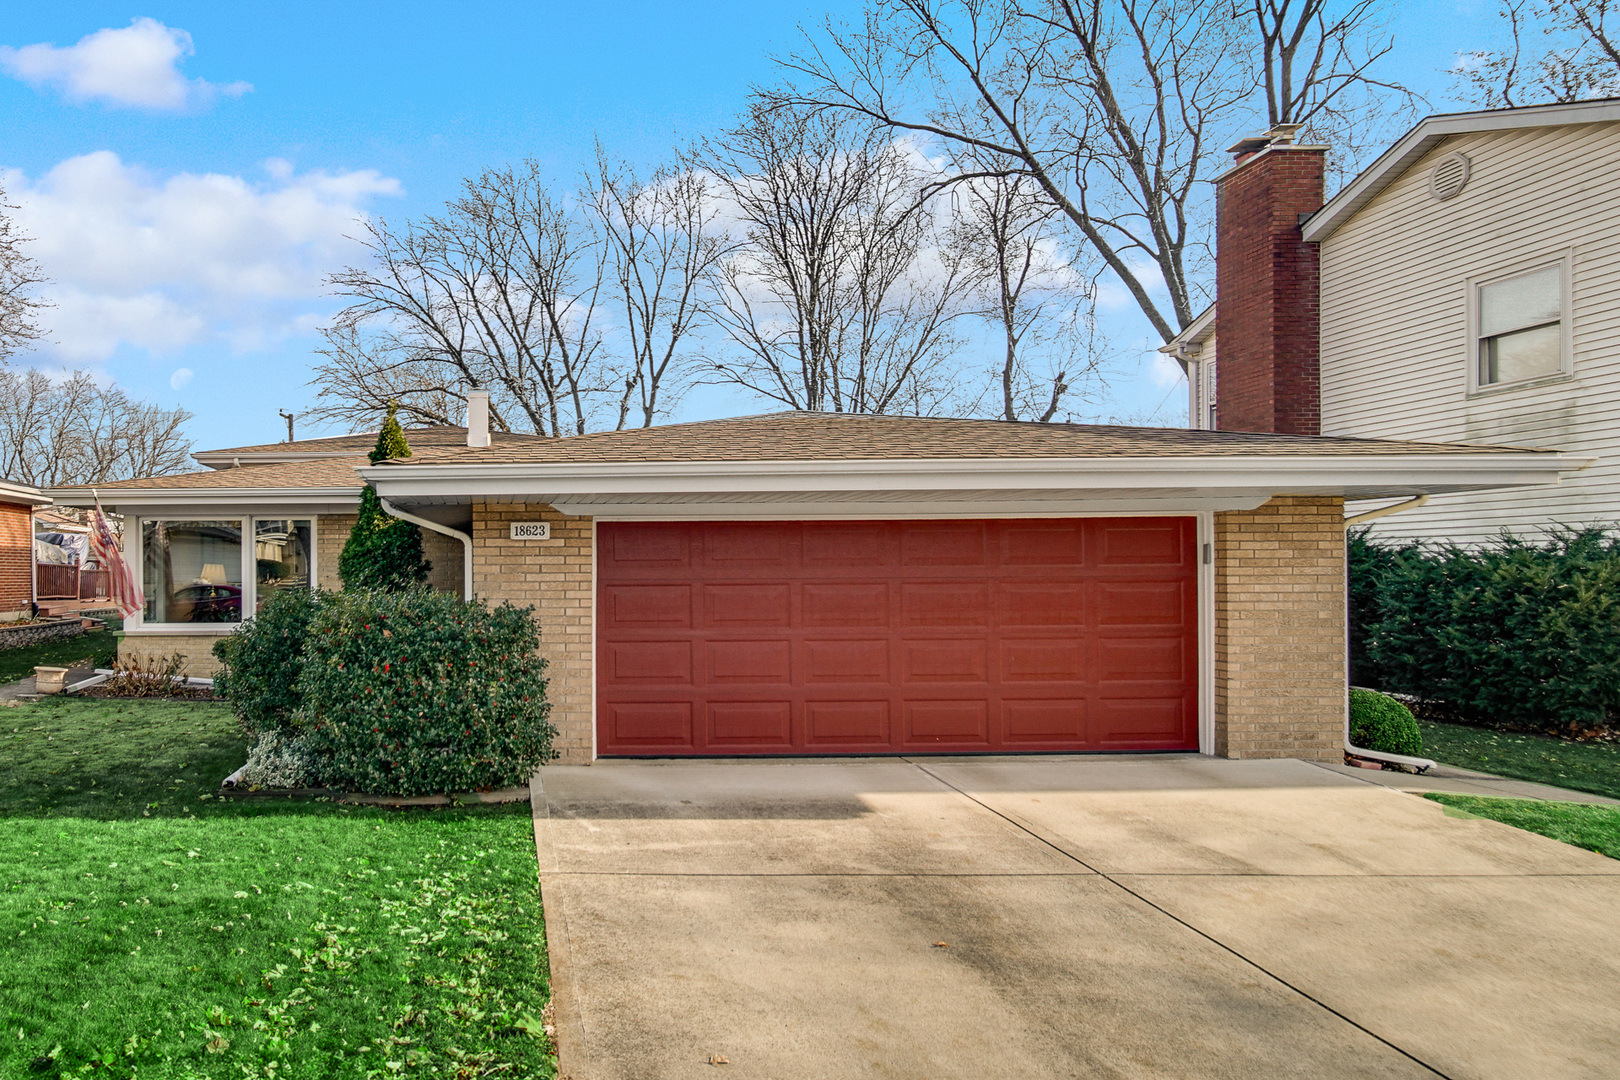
531,530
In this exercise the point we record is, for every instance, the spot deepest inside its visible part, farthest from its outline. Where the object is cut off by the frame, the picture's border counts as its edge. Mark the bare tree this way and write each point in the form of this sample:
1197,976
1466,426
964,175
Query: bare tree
1579,57
663,243
838,295
1116,109
78,431
1008,239
20,276
500,291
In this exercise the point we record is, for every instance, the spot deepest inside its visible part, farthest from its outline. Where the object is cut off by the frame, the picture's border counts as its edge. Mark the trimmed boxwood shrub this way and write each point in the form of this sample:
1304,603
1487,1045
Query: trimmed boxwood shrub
1515,632
419,693
1379,722
263,659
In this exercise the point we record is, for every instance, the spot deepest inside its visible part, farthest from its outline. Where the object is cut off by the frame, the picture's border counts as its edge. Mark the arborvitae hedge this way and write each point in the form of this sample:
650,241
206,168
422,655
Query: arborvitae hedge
1522,632
383,552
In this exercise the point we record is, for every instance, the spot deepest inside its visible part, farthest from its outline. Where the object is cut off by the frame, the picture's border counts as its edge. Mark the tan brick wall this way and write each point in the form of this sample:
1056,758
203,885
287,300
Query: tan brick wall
557,577
196,648
1280,630
444,552
331,533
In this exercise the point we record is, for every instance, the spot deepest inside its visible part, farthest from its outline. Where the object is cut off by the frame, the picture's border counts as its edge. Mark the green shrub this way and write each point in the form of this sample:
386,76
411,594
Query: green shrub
383,552
1517,632
418,693
262,660
1379,722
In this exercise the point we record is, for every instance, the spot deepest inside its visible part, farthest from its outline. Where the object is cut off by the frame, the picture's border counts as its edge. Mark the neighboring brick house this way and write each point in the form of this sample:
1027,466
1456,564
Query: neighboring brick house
1465,288
810,583
17,503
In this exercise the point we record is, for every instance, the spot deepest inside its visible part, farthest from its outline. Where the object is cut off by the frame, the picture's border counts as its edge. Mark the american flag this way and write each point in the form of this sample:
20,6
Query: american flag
120,582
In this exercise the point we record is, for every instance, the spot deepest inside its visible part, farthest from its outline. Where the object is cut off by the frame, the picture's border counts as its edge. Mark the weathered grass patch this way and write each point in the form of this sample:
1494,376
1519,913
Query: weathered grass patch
1592,767
148,931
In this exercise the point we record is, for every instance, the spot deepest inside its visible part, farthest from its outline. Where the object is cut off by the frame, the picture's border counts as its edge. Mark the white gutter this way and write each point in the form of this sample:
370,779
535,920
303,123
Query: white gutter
443,530
1422,765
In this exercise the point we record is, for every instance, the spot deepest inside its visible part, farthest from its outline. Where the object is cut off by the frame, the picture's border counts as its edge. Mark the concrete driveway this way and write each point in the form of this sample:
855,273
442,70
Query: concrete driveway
1061,917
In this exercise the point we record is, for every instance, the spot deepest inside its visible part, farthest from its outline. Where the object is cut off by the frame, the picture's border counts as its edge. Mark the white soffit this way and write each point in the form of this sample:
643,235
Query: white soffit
1427,134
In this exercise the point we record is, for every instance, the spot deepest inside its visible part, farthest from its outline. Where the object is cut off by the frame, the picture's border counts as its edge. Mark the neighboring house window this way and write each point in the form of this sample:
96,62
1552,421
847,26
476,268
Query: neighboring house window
192,571
1520,334
282,553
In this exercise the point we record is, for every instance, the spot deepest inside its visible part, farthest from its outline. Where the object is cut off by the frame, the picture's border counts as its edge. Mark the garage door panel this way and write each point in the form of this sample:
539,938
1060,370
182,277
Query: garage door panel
945,603
1035,603
1140,722
749,661
650,724
842,723
845,603
1142,659
840,545
659,663
961,722
1059,720
755,545
648,547
760,604
1043,660
942,543
897,636
847,661
1141,603
1052,543
1143,542
761,724
944,660
647,606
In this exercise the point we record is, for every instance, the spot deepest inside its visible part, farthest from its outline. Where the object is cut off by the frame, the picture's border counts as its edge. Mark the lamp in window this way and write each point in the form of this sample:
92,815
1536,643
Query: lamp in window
213,573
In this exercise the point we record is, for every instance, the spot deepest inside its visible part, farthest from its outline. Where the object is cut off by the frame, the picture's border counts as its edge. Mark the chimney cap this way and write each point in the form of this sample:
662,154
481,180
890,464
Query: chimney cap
1279,135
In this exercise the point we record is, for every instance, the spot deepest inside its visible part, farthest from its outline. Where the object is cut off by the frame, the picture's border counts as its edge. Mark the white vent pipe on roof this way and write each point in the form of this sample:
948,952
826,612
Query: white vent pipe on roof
478,418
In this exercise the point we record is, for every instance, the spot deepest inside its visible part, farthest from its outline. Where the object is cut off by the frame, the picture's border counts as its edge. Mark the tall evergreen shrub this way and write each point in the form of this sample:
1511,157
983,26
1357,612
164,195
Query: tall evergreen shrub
383,552
1515,631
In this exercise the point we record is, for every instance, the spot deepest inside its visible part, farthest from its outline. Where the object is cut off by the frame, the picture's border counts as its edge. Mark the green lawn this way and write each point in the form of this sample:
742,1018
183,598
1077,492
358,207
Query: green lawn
154,930
1593,767
99,646
1592,826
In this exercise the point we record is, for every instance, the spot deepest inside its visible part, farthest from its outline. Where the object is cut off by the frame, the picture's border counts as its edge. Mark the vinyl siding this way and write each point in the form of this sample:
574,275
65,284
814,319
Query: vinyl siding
1396,340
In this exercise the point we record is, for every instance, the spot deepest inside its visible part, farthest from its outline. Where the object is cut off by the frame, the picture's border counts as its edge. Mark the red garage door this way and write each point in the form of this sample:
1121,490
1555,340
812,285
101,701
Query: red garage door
810,637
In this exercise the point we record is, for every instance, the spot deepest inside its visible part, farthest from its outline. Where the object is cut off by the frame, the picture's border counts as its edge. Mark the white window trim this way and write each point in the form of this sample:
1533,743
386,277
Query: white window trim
250,579
1565,262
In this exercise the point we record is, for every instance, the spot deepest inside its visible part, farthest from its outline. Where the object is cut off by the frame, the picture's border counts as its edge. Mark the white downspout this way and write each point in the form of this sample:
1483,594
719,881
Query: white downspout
1422,765
445,530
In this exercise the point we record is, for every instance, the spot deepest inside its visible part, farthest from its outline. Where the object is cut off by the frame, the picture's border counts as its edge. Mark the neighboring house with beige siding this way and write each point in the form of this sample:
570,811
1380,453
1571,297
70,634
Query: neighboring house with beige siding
809,583
1469,291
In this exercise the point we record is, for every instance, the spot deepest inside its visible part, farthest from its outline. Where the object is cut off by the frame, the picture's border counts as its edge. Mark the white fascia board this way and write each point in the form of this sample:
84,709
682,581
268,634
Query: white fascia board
1421,139
22,494
1208,476
853,510
253,500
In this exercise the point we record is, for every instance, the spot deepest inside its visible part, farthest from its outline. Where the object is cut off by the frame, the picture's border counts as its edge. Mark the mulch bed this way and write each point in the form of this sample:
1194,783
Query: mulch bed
182,693
470,798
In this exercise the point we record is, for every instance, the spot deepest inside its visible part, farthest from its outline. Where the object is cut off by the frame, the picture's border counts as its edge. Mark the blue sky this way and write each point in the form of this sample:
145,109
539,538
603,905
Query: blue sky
187,205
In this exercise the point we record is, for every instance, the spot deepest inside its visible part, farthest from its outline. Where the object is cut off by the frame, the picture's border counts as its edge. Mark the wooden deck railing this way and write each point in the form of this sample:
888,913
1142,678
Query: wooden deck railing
58,582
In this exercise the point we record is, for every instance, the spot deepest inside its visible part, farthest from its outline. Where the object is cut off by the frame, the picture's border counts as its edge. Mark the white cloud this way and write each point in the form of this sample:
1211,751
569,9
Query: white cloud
180,378
1166,372
161,263
137,66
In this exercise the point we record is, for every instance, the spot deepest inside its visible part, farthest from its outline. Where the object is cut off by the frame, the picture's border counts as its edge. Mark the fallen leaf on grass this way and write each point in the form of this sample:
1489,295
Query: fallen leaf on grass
719,1059
942,945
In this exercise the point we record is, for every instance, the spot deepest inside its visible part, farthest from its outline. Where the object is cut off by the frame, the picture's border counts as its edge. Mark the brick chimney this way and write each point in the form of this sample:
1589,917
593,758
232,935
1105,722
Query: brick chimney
1267,330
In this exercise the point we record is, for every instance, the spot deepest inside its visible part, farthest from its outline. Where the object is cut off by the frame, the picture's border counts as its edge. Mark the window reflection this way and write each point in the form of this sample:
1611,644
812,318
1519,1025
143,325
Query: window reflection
281,554
192,571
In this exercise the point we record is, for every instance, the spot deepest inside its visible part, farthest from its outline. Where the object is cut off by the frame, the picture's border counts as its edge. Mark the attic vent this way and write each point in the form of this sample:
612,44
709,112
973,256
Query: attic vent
1449,177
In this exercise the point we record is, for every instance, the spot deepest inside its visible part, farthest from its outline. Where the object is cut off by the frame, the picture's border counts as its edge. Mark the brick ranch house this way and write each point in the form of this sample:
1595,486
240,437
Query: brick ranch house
17,503
829,584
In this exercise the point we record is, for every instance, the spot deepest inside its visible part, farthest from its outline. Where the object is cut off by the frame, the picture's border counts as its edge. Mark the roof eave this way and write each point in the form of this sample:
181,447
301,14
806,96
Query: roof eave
136,497
1423,137
1350,475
